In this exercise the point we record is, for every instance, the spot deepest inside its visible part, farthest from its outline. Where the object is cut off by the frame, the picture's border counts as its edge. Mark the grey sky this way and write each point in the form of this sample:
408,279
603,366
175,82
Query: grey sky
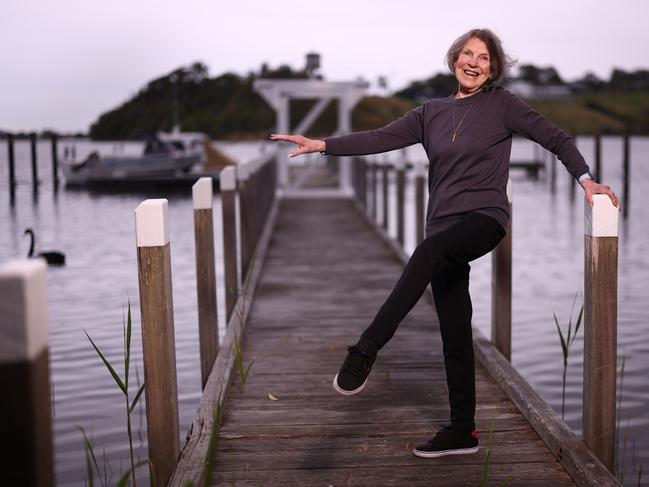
64,62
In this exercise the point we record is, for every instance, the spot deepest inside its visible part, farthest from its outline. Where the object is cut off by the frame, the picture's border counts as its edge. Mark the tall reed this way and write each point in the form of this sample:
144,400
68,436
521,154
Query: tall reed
487,460
123,385
566,342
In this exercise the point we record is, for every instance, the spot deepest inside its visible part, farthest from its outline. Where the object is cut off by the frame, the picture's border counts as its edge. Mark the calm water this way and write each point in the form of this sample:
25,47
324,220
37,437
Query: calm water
96,231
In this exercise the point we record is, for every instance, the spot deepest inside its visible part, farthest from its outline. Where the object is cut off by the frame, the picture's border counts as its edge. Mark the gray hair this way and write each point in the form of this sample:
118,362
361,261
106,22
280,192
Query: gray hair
500,61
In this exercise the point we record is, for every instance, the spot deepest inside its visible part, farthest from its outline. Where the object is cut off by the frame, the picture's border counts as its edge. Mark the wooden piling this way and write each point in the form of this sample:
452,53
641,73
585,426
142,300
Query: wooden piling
159,354
386,207
600,328
373,179
228,183
420,204
244,217
625,174
55,160
208,323
12,162
24,374
401,185
33,141
553,172
598,158
501,288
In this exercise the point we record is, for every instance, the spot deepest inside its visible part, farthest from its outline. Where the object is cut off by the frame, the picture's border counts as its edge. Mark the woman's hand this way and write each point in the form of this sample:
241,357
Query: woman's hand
305,145
591,188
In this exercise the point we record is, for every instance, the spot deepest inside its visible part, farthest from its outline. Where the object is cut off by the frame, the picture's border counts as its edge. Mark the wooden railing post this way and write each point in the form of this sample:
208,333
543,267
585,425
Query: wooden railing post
25,409
228,183
159,353
373,178
386,207
244,217
420,204
12,164
625,174
400,170
501,288
600,328
208,322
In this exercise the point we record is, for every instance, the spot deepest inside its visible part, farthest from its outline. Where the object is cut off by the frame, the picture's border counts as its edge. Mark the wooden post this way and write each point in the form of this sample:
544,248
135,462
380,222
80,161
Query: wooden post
208,322
33,140
55,161
501,288
244,216
373,178
12,163
159,353
420,204
363,181
401,185
598,157
386,169
625,175
553,172
600,328
25,409
228,206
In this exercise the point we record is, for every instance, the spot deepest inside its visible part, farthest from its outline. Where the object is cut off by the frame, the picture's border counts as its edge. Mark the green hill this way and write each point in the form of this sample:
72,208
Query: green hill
226,107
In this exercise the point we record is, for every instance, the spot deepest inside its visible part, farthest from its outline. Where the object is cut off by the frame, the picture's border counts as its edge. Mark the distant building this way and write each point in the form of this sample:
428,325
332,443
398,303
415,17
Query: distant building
526,89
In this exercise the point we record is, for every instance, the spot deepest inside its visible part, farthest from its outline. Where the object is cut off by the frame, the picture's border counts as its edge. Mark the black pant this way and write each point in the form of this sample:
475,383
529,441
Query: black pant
443,261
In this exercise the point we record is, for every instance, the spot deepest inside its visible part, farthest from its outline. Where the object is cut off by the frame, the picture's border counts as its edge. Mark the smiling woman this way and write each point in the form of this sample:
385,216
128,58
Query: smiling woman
467,138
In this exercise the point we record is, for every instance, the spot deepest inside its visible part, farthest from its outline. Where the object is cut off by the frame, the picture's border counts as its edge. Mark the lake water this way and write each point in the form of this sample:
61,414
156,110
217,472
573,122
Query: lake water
96,231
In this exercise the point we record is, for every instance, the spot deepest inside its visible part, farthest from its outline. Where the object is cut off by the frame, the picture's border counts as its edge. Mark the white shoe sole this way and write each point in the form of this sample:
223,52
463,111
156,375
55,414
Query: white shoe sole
443,453
347,393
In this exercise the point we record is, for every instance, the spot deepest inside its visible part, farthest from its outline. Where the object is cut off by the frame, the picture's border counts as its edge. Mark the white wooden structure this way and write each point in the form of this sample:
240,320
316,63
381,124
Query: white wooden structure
279,92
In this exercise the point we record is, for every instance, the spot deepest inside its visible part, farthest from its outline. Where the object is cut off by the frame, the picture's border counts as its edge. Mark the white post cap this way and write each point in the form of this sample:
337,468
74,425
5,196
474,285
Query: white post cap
228,179
24,329
602,219
152,223
202,194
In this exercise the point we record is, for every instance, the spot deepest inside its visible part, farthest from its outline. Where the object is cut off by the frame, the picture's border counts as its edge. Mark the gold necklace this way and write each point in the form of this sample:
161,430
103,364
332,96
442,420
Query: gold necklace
455,129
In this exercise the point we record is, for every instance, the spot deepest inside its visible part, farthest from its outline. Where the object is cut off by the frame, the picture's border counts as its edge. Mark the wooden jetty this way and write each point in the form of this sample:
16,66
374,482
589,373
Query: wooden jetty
305,273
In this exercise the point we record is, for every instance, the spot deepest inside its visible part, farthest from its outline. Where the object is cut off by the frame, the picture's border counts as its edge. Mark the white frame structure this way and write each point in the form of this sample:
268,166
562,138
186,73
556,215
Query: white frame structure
279,92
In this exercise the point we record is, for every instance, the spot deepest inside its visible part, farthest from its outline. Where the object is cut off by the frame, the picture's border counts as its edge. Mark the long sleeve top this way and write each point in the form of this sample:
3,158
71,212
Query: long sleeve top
470,173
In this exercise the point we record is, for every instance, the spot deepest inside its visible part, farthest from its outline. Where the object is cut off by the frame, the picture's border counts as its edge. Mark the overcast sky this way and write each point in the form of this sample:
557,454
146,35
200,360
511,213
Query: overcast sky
64,62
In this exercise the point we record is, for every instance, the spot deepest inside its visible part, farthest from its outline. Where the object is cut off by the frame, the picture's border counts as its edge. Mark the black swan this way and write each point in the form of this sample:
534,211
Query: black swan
52,257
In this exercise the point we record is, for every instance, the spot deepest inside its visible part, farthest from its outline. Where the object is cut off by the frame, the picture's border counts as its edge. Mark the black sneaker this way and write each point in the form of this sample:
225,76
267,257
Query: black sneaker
448,441
353,374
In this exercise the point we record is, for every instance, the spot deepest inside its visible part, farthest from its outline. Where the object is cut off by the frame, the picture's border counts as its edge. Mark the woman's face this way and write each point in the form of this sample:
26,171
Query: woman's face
473,66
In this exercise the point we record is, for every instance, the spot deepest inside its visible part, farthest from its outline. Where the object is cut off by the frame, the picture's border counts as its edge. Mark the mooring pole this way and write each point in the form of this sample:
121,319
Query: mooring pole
600,328
33,140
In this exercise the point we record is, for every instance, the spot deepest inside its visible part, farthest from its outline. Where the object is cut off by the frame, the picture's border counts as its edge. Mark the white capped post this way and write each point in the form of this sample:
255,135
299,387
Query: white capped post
228,181
208,324
501,287
24,374
600,328
158,341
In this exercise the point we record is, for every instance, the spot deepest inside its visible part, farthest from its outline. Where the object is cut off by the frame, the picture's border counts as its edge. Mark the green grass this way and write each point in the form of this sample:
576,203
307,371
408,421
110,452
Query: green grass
566,342
123,385
487,460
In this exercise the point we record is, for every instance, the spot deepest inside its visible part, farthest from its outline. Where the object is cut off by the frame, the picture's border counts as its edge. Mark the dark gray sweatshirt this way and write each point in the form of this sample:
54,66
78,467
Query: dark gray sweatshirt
471,173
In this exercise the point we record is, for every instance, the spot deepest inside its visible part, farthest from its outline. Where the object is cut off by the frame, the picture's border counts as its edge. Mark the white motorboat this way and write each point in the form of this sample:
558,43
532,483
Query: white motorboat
162,158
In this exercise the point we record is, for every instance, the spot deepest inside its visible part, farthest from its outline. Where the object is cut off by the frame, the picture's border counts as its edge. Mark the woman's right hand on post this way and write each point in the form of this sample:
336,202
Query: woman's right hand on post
305,145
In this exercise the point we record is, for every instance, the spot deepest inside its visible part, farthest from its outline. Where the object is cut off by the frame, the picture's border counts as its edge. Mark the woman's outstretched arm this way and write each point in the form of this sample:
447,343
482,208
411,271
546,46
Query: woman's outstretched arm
523,119
405,131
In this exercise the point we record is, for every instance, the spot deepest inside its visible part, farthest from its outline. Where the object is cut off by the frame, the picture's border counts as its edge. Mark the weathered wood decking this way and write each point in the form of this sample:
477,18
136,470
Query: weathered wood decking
323,279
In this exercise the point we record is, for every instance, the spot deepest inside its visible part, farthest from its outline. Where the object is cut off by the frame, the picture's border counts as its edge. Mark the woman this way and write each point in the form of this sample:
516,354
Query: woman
467,138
